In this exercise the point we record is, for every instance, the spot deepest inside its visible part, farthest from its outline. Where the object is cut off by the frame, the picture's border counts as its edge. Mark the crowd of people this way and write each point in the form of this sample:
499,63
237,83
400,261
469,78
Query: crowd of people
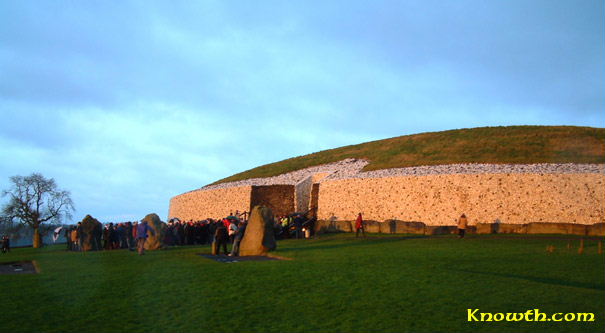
6,244
295,225
218,232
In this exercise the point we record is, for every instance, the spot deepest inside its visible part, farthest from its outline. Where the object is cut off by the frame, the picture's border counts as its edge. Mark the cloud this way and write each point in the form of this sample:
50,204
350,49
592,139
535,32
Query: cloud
129,105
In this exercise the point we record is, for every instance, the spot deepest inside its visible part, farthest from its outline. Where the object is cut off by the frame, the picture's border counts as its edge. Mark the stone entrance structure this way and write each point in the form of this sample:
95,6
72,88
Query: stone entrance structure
278,198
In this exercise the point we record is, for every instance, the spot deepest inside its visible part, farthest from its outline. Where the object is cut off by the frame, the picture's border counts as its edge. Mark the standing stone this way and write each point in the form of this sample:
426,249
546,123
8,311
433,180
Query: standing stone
91,234
154,239
259,237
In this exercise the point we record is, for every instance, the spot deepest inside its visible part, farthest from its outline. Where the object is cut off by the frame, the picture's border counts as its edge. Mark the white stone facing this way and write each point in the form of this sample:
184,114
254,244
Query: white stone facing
351,168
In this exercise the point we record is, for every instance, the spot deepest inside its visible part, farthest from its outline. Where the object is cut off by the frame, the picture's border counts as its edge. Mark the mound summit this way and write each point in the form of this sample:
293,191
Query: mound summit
490,145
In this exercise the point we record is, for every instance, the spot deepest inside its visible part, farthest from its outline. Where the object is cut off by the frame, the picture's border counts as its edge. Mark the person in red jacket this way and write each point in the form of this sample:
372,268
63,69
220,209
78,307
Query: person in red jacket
359,226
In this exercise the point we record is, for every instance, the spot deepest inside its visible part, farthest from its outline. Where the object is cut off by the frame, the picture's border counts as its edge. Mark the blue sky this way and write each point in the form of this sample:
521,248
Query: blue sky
127,104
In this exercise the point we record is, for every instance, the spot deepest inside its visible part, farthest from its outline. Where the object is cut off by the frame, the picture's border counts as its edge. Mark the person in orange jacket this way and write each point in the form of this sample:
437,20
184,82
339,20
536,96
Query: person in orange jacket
462,224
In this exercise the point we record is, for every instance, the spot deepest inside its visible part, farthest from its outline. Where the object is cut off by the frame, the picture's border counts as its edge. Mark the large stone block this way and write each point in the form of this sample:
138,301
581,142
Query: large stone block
577,229
322,227
510,228
597,229
154,239
91,231
388,227
410,227
370,226
344,226
556,228
326,226
278,198
501,228
402,227
440,230
485,228
259,238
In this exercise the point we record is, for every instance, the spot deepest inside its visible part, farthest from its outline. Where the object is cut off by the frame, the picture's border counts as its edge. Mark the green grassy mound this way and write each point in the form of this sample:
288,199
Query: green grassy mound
334,284
498,145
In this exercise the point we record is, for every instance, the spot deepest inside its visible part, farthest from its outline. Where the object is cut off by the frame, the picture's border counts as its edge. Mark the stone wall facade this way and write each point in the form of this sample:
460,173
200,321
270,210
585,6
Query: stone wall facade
438,200
216,203
279,198
427,199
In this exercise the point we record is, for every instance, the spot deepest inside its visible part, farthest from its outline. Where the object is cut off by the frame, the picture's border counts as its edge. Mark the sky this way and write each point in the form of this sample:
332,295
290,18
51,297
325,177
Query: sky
129,103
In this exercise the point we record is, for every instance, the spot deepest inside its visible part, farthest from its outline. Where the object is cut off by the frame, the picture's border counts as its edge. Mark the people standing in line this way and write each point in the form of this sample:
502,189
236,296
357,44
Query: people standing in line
6,244
129,238
298,221
80,236
142,230
232,230
359,226
462,224
134,231
204,232
237,238
180,233
120,236
285,227
309,227
67,234
212,230
220,239
168,234
74,239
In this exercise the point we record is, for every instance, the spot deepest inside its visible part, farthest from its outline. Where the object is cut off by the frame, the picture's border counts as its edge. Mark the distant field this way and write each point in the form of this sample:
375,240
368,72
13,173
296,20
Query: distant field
335,283
513,144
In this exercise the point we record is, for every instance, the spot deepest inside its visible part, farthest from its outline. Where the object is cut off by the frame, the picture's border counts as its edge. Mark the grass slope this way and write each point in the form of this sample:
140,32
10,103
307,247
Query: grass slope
334,284
498,145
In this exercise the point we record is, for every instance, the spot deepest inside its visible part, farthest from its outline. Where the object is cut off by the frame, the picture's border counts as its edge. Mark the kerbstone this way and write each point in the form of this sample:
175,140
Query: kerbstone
91,233
259,238
154,239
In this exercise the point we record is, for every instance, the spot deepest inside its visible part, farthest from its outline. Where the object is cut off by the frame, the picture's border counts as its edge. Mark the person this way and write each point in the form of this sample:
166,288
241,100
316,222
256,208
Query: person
309,227
359,226
106,243
232,230
168,234
142,230
462,223
114,239
81,236
67,234
129,238
298,221
121,236
180,229
97,234
220,239
6,244
74,239
285,227
239,234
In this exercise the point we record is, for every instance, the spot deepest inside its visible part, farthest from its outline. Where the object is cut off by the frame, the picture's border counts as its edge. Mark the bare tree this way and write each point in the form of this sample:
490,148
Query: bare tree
35,200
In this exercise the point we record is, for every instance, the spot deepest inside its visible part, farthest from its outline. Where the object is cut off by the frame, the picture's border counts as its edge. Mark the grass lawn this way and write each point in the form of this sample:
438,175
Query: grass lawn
335,283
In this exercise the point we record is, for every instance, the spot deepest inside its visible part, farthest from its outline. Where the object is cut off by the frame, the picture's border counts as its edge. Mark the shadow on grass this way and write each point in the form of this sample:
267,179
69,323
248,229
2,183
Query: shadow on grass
318,244
545,280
